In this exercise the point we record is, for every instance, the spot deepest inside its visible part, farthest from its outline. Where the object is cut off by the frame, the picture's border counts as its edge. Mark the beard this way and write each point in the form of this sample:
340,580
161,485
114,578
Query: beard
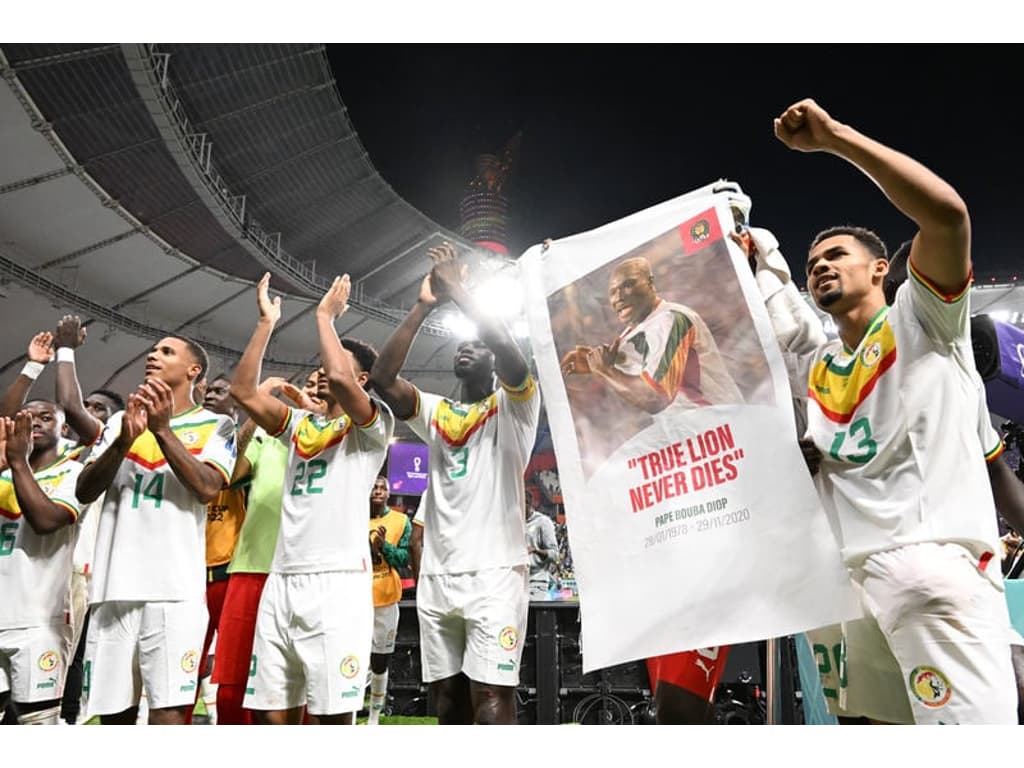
830,298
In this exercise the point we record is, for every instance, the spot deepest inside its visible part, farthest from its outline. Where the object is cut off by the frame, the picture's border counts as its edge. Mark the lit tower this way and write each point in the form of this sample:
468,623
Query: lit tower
483,211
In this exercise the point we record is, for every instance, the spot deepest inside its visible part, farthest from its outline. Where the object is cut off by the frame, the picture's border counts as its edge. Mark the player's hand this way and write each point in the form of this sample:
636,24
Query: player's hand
448,273
295,395
40,348
270,309
806,127
134,422
18,437
603,358
158,399
335,302
70,332
812,456
575,361
426,296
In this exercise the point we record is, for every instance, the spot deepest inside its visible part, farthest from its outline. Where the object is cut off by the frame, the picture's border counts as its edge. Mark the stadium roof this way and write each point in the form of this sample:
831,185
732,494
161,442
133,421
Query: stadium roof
145,187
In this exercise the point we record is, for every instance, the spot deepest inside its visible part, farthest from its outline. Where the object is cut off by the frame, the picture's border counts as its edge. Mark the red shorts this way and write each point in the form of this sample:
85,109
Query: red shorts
698,671
237,628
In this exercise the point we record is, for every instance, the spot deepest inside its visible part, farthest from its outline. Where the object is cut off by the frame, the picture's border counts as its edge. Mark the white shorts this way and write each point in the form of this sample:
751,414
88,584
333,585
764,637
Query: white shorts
312,642
132,645
33,662
473,623
385,625
938,650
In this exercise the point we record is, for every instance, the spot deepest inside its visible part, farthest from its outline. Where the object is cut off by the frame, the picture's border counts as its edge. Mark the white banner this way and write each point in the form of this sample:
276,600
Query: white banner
692,519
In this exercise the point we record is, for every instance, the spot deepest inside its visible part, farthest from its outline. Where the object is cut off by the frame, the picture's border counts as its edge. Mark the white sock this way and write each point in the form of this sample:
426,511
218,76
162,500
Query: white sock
378,696
42,717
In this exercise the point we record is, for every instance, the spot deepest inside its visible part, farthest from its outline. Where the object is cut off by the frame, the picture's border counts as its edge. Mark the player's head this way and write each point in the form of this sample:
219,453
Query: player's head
176,360
311,386
103,403
897,271
363,357
380,492
845,265
474,361
218,396
47,423
631,290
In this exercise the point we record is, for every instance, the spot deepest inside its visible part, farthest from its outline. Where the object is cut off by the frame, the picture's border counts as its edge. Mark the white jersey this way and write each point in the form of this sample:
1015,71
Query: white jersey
674,352
897,423
35,570
151,543
473,510
332,465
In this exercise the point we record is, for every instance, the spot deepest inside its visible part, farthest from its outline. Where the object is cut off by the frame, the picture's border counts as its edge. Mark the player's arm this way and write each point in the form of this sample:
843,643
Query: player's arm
941,249
98,474
202,480
635,390
416,549
263,408
43,515
399,394
397,555
69,336
341,377
446,279
39,354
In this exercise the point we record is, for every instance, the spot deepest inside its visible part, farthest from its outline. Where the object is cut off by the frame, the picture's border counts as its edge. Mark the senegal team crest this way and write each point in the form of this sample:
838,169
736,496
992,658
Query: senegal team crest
189,438
930,686
700,231
350,666
49,661
189,662
508,638
872,352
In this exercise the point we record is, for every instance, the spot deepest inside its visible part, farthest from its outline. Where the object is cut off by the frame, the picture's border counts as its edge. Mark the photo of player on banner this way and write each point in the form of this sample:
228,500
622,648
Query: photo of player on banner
643,336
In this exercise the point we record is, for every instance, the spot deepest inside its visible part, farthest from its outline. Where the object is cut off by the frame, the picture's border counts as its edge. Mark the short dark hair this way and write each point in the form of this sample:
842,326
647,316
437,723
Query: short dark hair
223,375
364,354
198,353
112,396
897,271
864,236
57,406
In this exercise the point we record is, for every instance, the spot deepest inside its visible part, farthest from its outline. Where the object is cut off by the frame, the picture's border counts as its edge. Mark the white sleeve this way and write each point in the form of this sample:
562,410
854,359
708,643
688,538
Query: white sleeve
426,406
944,317
521,406
109,434
377,432
63,493
219,451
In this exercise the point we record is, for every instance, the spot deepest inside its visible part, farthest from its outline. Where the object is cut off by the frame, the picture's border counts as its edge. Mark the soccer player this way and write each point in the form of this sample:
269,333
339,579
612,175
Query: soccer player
390,533
471,593
665,350
38,527
261,466
315,617
160,461
893,412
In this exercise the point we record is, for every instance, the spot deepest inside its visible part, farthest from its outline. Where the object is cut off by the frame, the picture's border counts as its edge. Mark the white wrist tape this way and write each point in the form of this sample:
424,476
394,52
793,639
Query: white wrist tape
65,355
32,370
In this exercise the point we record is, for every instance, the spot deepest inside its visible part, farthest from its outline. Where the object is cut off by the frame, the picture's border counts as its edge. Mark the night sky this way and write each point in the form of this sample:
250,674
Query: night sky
610,130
